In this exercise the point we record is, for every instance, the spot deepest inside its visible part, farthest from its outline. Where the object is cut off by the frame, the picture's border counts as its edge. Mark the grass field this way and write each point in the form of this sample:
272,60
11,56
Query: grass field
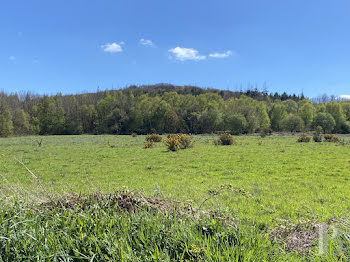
273,179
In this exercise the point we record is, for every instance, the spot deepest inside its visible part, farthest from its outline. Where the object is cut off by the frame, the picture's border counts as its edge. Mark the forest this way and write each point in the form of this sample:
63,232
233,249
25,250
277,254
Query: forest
164,108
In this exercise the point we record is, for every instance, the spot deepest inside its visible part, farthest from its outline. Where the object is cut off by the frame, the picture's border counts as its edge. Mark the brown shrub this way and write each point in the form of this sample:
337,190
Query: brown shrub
331,138
225,140
148,144
154,138
176,142
304,139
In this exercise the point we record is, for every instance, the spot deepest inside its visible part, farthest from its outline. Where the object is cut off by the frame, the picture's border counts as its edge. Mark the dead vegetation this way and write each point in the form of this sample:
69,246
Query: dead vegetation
300,237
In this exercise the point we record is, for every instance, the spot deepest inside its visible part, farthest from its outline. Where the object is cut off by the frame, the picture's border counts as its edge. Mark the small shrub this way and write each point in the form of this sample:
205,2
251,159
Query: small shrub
317,137
154,138
173,143
226,140
179,141
304,139
134,135
148,144
331,138
185,141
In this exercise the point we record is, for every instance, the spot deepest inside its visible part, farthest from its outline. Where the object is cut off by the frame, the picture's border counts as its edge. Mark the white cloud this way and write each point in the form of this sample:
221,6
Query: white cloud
112,47
12,58
221,55
344,97
146,42
182,54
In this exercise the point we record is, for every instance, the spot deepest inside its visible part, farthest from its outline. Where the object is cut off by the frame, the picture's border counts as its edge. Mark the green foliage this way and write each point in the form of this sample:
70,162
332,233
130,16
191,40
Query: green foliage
325,121
304,139
21,124
336,111
292,123
307,113
277,114
154,138
6,125
345,127
237,124
155,109
134,135
50,116
111,234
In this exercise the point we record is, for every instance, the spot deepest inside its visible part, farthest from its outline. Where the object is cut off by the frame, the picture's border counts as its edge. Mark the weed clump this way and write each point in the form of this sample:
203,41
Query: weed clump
148,144
154,138
331,138
304,139
134,135
176,142
225,140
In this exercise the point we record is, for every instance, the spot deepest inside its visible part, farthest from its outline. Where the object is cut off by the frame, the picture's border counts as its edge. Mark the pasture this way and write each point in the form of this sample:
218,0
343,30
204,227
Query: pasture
271,179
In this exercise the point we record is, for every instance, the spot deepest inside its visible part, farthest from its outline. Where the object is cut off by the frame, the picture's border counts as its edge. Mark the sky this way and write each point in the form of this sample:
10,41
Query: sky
80,46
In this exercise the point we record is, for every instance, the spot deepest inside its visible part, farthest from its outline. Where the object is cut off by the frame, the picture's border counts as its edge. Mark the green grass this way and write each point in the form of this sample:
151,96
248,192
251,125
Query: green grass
281,179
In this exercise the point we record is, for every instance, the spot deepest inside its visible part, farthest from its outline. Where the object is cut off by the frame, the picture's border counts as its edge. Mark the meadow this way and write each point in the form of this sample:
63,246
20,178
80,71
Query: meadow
265,182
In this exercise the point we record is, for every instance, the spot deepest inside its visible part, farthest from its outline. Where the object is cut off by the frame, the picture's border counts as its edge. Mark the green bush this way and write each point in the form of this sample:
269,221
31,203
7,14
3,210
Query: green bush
154,138
304,139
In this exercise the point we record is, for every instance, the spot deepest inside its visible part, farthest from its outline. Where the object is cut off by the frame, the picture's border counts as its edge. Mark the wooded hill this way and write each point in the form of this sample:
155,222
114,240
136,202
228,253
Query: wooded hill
165,108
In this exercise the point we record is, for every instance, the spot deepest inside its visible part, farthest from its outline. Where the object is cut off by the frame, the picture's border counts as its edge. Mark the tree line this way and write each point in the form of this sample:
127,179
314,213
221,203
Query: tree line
168,109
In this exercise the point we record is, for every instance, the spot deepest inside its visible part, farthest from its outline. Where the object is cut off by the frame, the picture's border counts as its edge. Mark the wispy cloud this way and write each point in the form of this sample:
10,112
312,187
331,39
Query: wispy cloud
12,58
112,47
221,55
146,42
182,54
344,97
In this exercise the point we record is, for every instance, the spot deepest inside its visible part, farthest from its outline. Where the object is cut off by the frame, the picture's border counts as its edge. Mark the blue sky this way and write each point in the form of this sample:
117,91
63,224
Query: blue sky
79,45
